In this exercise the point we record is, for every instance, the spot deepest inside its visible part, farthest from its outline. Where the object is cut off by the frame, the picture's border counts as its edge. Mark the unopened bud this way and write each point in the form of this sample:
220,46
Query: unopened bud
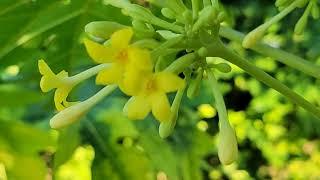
75,112
195,84
207,16
102,29
203,52
187,15
251,39
223,67
176,5
142,30
168,13
227,145
166,128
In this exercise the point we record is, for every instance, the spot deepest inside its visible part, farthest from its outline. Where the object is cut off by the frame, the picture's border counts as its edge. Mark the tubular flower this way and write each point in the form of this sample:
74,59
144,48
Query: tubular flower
58,81
121,55
74,113
152,96
63,83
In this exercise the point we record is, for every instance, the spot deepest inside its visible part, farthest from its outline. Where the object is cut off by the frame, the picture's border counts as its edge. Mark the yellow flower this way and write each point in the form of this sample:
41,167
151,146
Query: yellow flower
74,113
59,81
63,83
152,96
122,57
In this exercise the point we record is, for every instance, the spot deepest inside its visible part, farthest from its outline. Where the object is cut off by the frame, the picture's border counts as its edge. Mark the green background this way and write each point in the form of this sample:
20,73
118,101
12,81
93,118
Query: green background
277,139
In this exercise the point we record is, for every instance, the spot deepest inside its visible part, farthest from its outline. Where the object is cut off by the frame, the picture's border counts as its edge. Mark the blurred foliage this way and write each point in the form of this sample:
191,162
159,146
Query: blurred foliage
277,139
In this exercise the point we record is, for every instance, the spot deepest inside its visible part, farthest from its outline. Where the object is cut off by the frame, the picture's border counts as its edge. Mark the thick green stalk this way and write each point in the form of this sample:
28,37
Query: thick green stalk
278,54
219,49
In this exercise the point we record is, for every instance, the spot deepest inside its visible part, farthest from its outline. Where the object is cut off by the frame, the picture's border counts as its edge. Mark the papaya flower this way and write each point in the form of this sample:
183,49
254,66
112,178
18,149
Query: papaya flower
121,55
62,82
152,96
74,113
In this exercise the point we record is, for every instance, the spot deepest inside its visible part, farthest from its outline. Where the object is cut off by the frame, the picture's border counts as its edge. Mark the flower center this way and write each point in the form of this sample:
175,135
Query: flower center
151,86
122,55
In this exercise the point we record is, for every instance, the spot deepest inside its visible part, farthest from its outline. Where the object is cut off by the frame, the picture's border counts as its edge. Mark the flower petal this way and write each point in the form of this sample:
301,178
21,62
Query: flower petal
140,58
49,80
134,81
137,107
112,75
60,96
160,107
44,69
98,52
121,39
169,82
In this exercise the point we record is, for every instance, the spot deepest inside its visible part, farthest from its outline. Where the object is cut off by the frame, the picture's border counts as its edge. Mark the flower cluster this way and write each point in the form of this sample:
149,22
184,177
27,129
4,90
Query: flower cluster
131,69
146,59
122,64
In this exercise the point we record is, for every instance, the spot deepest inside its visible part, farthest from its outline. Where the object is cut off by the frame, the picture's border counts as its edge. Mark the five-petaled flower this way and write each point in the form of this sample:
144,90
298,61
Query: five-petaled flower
152,96
126,60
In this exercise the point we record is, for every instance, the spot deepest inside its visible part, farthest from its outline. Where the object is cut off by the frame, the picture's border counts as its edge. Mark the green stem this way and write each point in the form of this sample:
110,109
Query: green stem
195,8
219,102
181,63
257,33
165,46
166,25
218,49
278,54
279,16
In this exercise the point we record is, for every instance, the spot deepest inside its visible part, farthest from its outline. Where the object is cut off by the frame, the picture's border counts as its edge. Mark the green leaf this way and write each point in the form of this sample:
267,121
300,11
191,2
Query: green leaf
12,95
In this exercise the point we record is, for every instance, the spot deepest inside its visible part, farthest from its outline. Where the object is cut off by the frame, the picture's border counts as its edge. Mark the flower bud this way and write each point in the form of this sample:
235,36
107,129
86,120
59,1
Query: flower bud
166,128
227,145
301,3
142,30
194,87
133,10
223,67
168,13
160,3
102,29
252,38
280,3
206,17
302,23
203,52
69,115
176,5
75,112
187,16
168,34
